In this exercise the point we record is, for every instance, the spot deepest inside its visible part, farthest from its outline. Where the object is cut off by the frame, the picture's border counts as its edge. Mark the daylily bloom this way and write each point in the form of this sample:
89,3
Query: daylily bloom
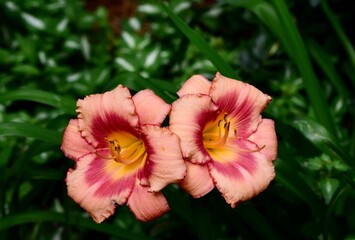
224,139
122,154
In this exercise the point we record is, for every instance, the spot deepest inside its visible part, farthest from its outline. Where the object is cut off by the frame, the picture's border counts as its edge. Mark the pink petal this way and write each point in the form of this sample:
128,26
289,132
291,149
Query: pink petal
188,116
150,108
266,136
98,185
147,205
164,164
242,102
197,84
243,177
198,181
102,114
73,145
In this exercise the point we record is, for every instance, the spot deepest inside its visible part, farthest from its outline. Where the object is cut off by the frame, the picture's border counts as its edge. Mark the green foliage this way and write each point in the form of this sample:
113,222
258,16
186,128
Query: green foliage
299,52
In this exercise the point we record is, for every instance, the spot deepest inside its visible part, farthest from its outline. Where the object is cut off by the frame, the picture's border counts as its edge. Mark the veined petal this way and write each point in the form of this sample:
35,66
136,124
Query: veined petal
147,205
242,102
243,177
198,181
164,164
101,114
98,185
197,84
266,136
73,145
151,109
188,116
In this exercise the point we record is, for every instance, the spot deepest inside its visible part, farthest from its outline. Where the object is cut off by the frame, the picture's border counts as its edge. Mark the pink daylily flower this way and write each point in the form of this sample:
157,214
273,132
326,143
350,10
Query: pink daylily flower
224,139
122,154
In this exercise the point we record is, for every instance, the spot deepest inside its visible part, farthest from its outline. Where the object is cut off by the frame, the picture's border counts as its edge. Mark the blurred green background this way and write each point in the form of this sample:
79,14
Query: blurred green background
299,52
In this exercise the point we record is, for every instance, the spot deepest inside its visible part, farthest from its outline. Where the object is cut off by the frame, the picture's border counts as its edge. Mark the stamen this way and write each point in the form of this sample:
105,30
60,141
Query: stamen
225,117
115,149
125,155
221,139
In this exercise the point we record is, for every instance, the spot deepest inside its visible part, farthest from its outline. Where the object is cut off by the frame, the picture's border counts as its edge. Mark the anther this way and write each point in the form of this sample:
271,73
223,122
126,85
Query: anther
225,117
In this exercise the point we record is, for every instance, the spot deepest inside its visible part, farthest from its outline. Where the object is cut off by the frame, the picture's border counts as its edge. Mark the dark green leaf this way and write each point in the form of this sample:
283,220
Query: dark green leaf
321,138
196,39
30,131
65,104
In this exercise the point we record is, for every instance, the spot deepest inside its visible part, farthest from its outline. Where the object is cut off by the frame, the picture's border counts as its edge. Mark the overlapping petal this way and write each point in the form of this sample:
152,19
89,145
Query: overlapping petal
241,101
198,181
197,84
165,164
98,185
244,177
147,205
265,137
73,145
187,119
150,108
101,114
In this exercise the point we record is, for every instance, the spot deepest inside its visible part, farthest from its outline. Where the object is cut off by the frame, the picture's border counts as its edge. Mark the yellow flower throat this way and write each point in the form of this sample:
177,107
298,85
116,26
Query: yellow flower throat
125,148
216,133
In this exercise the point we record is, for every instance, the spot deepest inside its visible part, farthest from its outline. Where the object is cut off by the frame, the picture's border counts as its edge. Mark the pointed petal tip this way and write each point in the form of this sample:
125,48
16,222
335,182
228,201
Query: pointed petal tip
196,84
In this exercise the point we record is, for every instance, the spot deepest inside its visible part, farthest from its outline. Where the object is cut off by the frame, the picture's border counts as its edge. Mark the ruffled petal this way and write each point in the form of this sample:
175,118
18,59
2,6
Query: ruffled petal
102,114
198,181
266,137
98,185
164,164
151,109
147,205
242,102
197,84
243,177
188,116
73,145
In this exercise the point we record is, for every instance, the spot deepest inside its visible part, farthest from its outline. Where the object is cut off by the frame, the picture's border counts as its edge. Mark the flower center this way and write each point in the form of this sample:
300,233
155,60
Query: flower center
125,148
215,136
126,154
216,133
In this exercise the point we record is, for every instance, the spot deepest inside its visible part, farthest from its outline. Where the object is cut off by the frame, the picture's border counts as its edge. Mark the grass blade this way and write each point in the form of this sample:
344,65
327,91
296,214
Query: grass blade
67,105
323,60
30,131
196,39
339,31
301,58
